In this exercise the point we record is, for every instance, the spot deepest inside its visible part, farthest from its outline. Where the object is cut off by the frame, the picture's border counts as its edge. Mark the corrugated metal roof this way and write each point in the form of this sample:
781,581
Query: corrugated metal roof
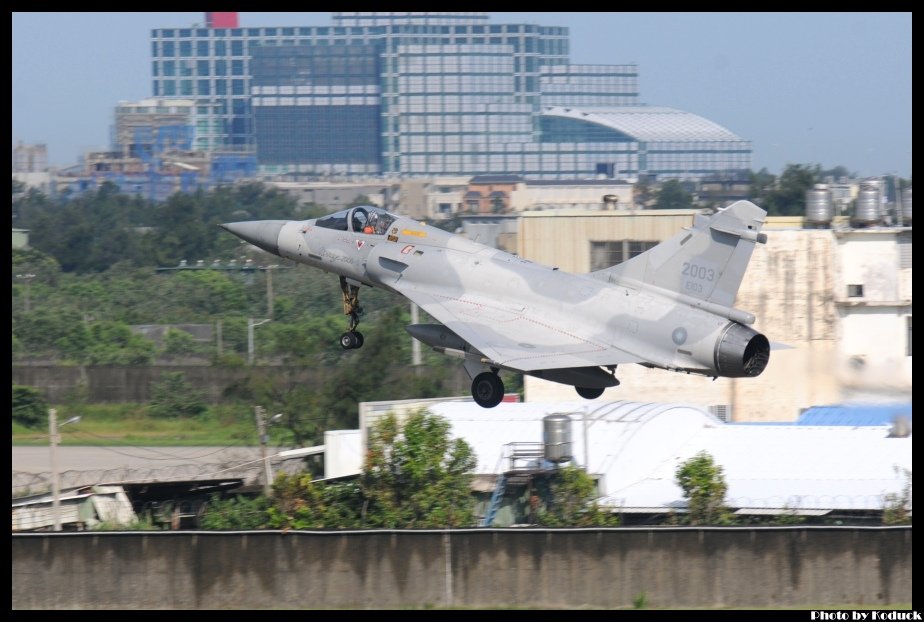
637,447
854,414
649,123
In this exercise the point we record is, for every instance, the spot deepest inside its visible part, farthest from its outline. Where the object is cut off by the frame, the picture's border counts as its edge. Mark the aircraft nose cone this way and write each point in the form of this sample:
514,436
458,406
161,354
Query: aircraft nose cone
262,233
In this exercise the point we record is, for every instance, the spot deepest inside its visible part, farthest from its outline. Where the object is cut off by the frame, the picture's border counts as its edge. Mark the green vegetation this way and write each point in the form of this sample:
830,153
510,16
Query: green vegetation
572,502
236,512
415,475
703,484
785,195
29,408
174,397
93,274
898,506
673,196
131,424
640,601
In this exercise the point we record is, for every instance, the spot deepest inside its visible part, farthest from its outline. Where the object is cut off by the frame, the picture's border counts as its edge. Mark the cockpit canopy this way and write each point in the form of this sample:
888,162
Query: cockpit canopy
366,219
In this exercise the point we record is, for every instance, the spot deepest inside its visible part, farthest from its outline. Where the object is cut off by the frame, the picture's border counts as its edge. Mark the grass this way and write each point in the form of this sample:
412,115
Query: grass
121,424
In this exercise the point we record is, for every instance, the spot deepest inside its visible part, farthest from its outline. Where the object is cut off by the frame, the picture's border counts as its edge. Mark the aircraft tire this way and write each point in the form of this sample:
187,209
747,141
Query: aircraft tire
588,394
487,389
348,340
359,339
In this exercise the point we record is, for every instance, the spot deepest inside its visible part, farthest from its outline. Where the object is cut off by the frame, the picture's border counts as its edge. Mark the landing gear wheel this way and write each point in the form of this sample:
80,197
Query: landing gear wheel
350,340
588,394
487,389
359,338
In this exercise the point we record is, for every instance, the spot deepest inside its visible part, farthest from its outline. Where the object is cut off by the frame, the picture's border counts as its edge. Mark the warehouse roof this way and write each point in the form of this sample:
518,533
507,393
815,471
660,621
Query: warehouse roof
635,449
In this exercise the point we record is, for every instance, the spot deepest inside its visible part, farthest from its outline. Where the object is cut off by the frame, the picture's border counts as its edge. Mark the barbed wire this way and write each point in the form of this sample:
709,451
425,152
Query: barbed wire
168,456
251,471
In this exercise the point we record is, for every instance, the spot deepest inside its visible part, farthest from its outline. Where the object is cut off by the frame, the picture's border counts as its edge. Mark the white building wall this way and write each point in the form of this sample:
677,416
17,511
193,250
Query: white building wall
795,285
342,453
868,258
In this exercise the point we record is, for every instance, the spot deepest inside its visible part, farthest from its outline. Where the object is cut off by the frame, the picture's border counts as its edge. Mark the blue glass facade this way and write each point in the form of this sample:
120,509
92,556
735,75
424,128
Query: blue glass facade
415,94
318,106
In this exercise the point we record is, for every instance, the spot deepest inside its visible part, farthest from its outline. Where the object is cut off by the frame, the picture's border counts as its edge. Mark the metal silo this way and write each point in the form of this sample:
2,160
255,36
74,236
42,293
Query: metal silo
556,437
819,206
868,211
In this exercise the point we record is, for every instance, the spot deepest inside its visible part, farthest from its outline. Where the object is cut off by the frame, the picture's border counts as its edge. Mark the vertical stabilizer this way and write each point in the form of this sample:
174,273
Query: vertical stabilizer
706,261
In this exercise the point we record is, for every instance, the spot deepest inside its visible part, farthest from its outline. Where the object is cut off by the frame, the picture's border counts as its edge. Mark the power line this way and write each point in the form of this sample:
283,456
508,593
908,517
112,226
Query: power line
167,455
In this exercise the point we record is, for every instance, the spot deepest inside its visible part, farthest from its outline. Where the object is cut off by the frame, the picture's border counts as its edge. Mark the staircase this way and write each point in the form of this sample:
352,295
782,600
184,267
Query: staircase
495,502
524,460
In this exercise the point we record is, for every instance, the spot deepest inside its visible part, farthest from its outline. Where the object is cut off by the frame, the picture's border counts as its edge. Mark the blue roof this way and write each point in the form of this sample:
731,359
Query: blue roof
854,414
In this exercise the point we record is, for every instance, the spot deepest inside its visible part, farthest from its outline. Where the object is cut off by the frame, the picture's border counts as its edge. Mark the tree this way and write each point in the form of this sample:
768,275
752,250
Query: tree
179,343
572,501
673,196
788,197
113,343
300,503
173,397
29,407
415,475
762,184
703,484
237,512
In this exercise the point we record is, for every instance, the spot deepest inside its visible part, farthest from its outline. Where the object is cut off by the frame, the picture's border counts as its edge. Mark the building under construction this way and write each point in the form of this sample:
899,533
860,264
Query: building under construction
151,154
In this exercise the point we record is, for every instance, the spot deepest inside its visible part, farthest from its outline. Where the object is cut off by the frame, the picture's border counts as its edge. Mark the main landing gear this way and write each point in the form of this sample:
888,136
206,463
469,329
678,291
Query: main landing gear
487,389
589,394
592,393
351,339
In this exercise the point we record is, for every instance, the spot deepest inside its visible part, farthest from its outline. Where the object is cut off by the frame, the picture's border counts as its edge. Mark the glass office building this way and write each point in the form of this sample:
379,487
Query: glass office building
425,94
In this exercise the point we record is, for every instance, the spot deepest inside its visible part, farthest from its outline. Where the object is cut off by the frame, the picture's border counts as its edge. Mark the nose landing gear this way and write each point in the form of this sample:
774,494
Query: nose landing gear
352,338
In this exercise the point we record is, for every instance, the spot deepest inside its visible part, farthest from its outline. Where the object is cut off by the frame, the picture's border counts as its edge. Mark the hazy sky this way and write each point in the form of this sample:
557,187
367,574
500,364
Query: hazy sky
808,88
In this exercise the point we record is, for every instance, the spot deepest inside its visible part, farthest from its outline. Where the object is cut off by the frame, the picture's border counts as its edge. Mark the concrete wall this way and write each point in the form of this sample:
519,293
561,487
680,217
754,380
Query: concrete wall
132,384
610,568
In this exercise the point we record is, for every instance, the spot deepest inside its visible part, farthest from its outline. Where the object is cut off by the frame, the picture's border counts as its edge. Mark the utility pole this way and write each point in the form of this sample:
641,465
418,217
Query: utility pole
55,485
262,425
261,432
53,448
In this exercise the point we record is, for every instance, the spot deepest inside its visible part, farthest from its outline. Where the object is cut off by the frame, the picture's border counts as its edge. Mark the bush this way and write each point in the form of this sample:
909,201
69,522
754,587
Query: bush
29,407
236,512
703,483
173,397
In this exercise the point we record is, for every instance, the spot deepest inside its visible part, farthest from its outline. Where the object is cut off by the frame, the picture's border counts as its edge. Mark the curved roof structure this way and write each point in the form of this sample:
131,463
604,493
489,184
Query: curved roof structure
637,447
648,123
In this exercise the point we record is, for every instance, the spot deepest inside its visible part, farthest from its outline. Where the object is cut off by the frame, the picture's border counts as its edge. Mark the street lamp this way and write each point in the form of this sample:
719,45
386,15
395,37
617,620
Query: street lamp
251,324
55,484
262,424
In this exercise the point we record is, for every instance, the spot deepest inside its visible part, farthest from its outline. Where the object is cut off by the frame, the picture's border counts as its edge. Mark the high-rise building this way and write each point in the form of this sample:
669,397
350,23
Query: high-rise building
30,158
424,94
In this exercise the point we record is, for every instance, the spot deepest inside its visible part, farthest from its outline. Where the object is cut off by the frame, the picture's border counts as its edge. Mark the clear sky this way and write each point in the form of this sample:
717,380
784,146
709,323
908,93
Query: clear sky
806,88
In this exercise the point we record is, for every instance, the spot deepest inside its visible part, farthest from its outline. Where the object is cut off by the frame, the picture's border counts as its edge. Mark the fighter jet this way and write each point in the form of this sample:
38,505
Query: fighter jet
670,307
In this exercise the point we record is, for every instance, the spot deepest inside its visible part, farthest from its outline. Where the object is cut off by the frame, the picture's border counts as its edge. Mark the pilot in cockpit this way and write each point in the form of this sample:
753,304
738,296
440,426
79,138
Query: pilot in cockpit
371,223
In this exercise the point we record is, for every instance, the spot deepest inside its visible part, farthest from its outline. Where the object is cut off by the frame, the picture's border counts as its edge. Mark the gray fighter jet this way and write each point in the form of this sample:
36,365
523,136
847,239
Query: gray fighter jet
670,307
